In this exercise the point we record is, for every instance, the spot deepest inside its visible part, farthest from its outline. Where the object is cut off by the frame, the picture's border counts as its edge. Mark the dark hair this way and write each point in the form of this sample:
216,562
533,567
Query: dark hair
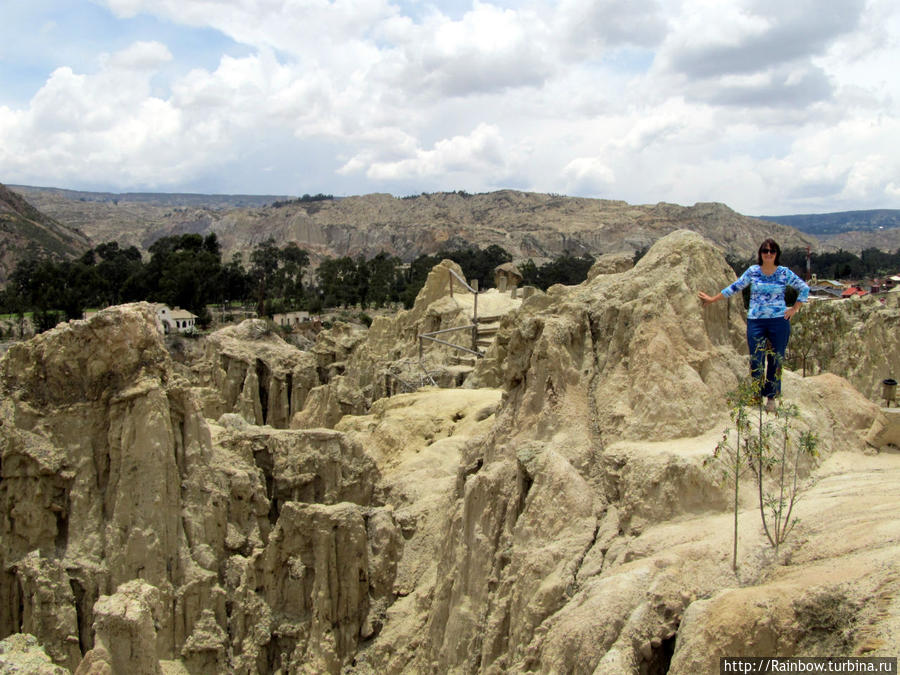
769,243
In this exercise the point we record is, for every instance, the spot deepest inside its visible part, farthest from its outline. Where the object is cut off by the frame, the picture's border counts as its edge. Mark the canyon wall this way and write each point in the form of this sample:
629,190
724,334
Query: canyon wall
555,513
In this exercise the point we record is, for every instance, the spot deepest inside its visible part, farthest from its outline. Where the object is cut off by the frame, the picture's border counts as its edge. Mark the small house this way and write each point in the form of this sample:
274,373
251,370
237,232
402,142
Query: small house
177,319
825,288
853,290
290,319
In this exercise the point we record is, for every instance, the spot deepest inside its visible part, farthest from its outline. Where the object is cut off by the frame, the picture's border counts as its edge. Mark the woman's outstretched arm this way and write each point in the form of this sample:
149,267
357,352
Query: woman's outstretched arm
709,299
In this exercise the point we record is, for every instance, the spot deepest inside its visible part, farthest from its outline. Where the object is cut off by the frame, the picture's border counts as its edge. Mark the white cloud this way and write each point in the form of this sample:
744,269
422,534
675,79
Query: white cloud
588,175
488,49
297,27
101,126
587,28
141,56
767,106
755,52
475,153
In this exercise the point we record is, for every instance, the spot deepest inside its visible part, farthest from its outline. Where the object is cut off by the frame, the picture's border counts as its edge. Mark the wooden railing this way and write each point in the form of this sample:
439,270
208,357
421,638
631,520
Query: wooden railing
473,327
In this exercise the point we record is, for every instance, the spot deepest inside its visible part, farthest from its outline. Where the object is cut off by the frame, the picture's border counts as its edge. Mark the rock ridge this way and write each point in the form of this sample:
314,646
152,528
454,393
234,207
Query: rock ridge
553,513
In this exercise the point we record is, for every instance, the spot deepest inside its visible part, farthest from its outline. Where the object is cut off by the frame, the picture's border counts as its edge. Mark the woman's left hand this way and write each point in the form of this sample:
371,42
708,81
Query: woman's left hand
790,312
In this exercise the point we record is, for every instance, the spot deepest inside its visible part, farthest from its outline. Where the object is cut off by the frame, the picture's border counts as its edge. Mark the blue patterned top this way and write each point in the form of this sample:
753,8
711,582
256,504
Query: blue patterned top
767,291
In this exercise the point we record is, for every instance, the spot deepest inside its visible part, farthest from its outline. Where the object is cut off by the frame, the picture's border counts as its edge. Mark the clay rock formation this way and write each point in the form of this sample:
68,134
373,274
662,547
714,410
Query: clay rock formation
611,263
581,531
249,370
558,517
125,529
103,453
868,352
22,653
596,350
28,232
385,360
125,628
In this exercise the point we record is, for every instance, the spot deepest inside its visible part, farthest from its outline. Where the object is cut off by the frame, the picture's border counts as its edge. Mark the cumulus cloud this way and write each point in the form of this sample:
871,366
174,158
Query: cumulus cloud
141,56
756,103
488,49
90,127
588,175
480,151
755,52
587,28
710,39
779,87
297,27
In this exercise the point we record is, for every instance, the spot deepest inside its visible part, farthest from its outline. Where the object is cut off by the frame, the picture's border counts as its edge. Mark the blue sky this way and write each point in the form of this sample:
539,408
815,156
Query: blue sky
769,107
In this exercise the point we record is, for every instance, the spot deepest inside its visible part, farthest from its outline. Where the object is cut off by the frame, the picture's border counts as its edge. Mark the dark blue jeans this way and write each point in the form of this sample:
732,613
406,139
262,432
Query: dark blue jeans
775,332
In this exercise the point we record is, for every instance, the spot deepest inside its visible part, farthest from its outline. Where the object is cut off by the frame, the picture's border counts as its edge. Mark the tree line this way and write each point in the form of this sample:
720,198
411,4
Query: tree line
871,262
187,271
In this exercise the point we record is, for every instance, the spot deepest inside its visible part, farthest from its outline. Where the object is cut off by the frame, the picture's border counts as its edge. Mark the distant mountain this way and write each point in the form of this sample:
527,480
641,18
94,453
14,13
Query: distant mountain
26,231
821,224
527,224
154,198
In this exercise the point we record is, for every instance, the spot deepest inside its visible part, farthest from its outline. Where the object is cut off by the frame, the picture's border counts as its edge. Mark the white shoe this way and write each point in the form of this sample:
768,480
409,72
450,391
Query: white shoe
770,405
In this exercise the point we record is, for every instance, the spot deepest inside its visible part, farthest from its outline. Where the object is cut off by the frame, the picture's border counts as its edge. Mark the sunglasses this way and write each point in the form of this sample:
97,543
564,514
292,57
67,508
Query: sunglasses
767,250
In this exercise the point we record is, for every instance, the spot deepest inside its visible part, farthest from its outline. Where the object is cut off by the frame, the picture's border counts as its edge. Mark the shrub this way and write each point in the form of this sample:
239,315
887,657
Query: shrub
772,451
731,453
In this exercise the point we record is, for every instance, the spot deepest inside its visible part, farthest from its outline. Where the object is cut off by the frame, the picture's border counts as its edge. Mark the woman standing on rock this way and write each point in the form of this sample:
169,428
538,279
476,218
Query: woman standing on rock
769,318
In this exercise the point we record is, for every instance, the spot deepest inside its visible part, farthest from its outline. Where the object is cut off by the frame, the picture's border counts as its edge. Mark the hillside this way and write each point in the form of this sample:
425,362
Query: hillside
528,225
24,231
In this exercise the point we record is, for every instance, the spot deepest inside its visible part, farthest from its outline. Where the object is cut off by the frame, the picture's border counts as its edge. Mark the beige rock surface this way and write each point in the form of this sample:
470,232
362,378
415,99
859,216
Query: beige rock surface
387,362
125,625
611,263
527,224
838,593
558,517
249,370
419,441
22,653
109,482
867,352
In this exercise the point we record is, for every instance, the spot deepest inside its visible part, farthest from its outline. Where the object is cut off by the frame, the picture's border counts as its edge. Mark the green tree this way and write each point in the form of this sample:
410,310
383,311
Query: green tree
382,279
775,461
263,265
478,263
293,262
276,276
530,273
338,281
233,282
183,272
566,270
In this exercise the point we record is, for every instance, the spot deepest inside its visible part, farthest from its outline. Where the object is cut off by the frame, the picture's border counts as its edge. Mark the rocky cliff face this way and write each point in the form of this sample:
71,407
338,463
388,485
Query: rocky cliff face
25,231
579,529
249,370
528,225
110,476
555,514
868,351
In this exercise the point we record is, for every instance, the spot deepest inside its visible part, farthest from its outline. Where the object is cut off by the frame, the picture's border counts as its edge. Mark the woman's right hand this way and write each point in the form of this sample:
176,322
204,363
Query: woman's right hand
707,299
